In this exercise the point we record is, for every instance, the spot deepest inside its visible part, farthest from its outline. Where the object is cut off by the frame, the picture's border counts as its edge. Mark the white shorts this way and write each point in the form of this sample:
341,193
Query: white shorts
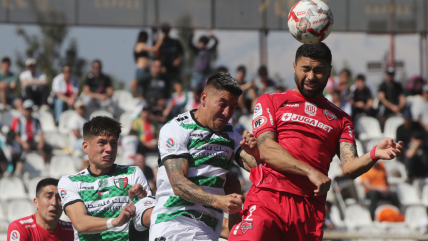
182,229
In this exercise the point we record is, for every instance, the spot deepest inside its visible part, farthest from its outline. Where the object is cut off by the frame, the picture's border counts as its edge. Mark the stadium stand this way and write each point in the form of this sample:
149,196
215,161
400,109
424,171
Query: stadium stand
19,209
100,113
12,188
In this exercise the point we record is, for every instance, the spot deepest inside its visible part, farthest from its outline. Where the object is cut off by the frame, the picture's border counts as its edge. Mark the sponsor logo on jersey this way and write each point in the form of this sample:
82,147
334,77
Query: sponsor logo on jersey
171,145
160,239
102,183
330,116
121,183
310,109
301,13
245,226
87,188
63,193
197,135
259,122
103,193
258,111
147,203
30,220
291,105
305,119
224,135
270,116
15,235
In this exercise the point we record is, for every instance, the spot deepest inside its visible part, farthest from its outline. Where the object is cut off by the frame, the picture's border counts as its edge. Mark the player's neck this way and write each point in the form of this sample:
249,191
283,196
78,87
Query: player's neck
199,116
99,171
49,226
317,96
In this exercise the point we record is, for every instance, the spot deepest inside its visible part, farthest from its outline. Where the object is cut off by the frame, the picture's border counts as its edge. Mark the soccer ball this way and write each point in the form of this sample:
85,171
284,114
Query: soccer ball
310,21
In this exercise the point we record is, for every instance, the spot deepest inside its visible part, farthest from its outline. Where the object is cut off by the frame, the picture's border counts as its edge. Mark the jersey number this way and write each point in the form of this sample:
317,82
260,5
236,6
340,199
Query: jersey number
252,209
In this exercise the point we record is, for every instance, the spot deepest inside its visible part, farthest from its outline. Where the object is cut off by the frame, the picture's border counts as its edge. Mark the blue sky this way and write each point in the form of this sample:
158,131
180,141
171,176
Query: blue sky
114,47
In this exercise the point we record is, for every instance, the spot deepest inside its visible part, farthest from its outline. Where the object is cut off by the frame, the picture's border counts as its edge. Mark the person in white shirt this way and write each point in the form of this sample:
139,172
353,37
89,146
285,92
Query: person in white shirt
419,108
34,84
76,126
66,88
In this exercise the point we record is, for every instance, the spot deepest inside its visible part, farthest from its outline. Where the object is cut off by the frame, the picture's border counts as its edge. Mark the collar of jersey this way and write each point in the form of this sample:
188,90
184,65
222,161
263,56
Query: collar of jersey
300,97
107,174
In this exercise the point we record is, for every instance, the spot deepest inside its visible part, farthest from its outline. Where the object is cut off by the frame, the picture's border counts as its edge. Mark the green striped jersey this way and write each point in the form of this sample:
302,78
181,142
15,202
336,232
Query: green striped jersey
209,155
104,196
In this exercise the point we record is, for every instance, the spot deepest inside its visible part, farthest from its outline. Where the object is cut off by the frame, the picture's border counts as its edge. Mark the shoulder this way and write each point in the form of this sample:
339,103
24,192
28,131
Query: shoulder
58,78
180,121
24,74
332,111
22,223
72,179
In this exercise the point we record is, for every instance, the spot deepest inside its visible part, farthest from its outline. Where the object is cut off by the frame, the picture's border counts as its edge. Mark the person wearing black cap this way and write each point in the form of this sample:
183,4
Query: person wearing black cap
391,96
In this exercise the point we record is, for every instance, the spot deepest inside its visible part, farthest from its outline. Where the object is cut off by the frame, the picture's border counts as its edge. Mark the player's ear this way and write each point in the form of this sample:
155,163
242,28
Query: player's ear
204,97
294,67
85,146
36,203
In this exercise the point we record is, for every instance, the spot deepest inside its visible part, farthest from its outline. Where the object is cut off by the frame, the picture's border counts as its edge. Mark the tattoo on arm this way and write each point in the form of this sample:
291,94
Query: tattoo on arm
264,136
247,161
297,168
347,152
182,186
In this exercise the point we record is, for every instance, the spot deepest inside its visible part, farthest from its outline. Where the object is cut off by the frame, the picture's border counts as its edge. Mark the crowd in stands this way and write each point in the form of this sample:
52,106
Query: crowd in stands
160,93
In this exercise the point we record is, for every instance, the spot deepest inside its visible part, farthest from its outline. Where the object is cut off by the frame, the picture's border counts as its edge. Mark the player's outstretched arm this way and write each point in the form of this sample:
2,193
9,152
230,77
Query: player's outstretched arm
249,156
177,168
281,160
86,224
355,166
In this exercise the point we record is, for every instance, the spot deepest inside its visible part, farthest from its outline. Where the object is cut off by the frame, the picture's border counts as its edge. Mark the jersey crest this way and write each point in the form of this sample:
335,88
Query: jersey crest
330,116
121,183
310,109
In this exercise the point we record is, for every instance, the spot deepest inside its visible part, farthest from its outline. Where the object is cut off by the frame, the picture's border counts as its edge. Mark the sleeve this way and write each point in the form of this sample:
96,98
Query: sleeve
369,93
14,125
42,77
87,81
38,129
15,231
22,76
382,88
107,82
68,192
264,116
141,206
416,110
179,48
75,85
347,134
173,142
73,123
237,150
55,85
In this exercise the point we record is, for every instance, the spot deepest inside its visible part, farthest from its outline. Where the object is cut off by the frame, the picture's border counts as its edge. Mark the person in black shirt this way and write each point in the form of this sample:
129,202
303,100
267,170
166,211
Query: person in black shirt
391,97
171,54
153,85
361,98
98,89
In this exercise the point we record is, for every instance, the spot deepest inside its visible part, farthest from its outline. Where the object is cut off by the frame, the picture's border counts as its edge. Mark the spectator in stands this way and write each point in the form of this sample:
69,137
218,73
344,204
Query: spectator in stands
178,101
377,187
222,69
98,89
406,130
171,54
414,86
202,60
416,156
140,161
66,89
419,108
146,132
342,86
361,99
44,224
345,186
26,128
141,53
241,72
194,100
152,85
12,152
264,83
7,83
254,96
157,113
328,223
337,100
34,84
75,125
391,97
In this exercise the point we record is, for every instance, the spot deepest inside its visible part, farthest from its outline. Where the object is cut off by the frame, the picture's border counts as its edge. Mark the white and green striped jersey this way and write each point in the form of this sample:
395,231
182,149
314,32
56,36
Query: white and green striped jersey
104,196
209,155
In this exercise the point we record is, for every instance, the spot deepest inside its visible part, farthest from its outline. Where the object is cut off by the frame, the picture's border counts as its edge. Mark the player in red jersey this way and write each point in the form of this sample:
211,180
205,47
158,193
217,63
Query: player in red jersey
298,134
44,225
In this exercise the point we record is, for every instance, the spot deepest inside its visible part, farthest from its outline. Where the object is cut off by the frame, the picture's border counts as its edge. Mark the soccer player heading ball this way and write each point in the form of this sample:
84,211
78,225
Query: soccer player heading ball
298,134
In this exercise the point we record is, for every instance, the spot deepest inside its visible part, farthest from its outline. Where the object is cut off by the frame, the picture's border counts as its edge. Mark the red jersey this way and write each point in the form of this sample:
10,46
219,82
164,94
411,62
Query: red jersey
310,129
27,229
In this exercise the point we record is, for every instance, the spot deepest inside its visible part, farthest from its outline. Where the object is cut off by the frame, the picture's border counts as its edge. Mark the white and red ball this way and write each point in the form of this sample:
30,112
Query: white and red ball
310,21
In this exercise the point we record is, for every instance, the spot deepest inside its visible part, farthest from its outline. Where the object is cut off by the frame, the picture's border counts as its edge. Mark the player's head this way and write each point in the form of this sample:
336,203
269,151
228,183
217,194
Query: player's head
101,135
165,28
312,68
203,41
142,37
96,67
219,100
47,200
360,82
241,71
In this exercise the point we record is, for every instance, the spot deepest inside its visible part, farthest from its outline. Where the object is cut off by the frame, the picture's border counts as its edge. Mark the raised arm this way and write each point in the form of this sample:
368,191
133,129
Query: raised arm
355,166
249,157
282,161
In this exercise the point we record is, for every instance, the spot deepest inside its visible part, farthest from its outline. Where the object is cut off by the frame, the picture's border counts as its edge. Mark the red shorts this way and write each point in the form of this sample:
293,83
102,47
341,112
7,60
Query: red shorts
274,215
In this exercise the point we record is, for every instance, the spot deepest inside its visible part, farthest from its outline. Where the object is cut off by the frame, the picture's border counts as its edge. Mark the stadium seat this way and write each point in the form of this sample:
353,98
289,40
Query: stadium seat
32,186
407,194
11,188
124,100
19,208
360,147
425,195
64,217
414,215
61,166
56,140
396,172
391,126
126,121
8,115
100,113
335,169
357,217
152,160
372,143
64,119
335,217
246,121
368,128
359,187
124,161
3,222
46,120
34,165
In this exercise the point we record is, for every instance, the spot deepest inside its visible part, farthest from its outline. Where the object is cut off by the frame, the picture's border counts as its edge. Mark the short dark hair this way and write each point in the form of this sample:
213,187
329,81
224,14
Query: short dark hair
263,71
99,62
314,51
5,60
241,68
165,28
361,77
204,39
142,37
222,69
223,81
101,125
45,182
347,71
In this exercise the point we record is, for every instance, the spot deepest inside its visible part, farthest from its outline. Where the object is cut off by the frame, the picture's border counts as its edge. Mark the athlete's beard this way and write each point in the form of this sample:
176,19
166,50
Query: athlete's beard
301,87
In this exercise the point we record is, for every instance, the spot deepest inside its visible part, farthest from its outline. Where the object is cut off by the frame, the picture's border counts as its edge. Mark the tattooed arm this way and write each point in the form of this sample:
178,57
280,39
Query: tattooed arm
281,160
355,166
247,161
177,169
